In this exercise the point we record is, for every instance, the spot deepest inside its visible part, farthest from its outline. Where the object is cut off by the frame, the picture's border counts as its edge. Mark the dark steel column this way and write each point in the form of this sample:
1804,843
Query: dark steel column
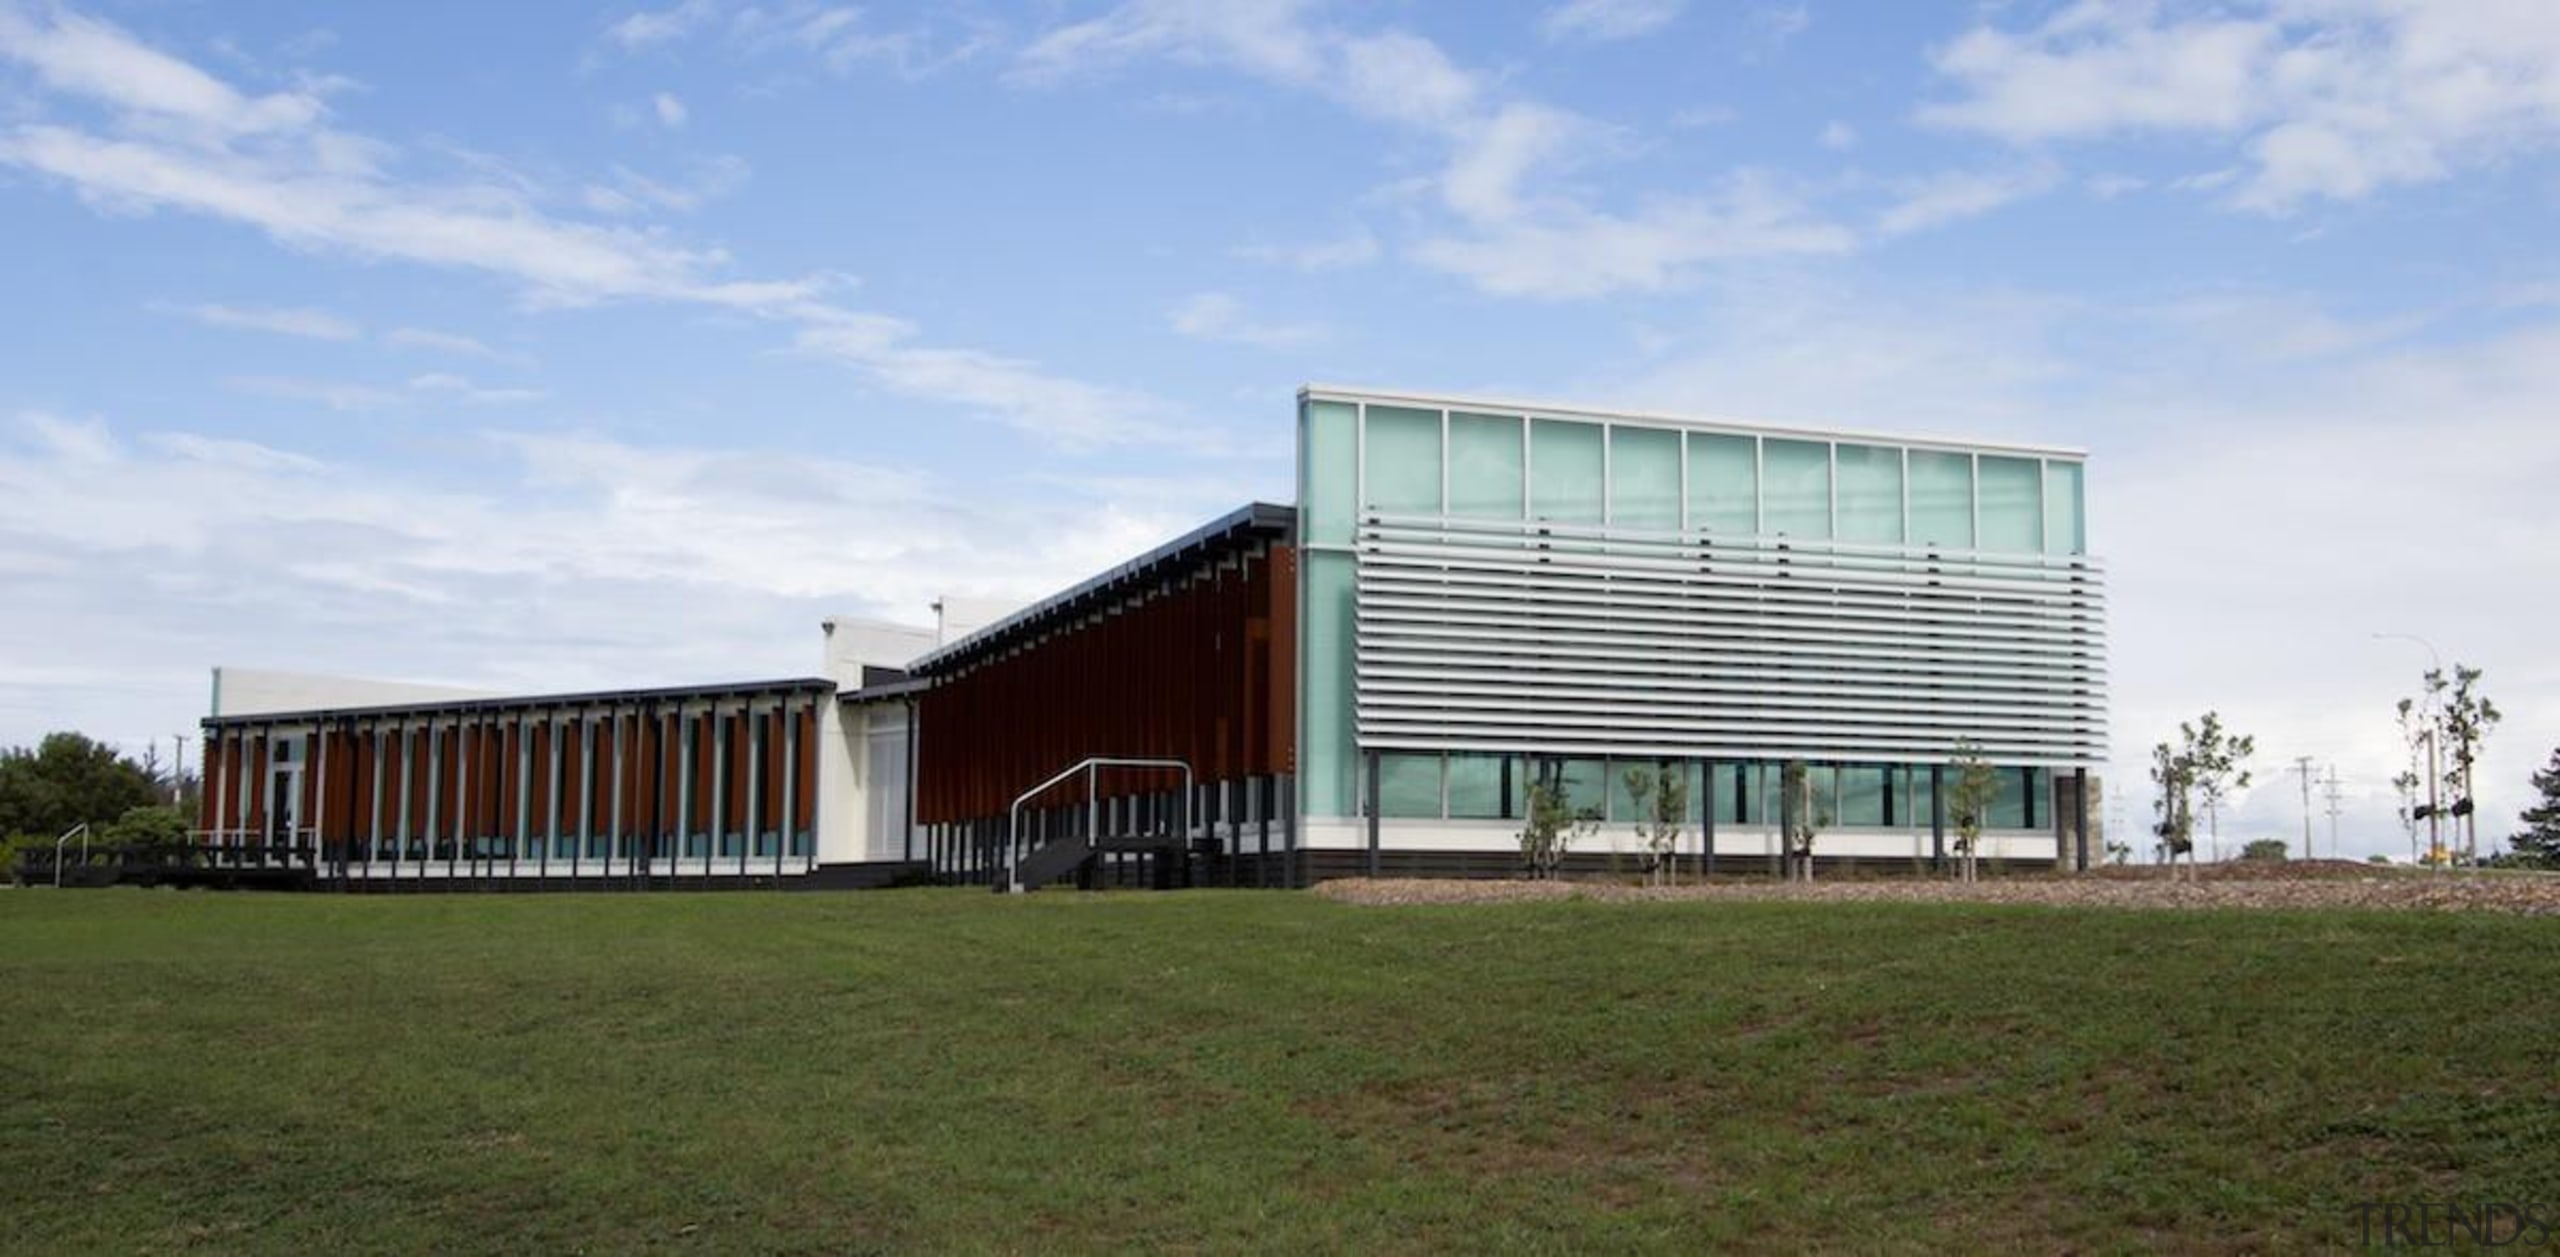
2080,812
1938,817
1707,815
1374,811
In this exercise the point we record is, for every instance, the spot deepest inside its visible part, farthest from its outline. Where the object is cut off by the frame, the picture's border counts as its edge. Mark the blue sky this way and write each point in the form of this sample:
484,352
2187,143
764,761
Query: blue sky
549,346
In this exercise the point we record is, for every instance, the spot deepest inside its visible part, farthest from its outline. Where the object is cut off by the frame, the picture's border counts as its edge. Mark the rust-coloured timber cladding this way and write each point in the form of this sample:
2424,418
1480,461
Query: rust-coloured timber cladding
484,771
1188,659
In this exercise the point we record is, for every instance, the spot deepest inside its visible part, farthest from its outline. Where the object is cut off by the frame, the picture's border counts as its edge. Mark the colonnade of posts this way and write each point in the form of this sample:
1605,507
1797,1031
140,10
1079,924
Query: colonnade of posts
707,785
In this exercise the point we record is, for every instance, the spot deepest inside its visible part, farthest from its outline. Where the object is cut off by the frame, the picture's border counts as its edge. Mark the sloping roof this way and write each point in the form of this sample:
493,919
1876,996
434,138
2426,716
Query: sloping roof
1237,529
520,702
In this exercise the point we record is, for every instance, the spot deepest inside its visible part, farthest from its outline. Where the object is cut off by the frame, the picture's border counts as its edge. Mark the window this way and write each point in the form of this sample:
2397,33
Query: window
1644,478
1565,471
1330,469
1485,466
1408,785
1724,483
1402,465
1862,796
1870,493
2011,511
1328,767
1481,786
1942,499
1796,489
2065,522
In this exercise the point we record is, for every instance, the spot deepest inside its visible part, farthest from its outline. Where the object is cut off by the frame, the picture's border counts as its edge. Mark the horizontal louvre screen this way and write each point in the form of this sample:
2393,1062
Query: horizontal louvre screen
1561,639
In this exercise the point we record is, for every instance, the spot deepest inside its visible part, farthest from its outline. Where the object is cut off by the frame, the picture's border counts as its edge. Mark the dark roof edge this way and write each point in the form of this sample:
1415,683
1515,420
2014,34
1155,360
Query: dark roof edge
1253,517
513,701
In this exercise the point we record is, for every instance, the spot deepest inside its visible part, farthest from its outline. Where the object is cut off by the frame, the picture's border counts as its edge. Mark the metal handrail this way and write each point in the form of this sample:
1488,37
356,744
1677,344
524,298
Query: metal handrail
79,831
1013,816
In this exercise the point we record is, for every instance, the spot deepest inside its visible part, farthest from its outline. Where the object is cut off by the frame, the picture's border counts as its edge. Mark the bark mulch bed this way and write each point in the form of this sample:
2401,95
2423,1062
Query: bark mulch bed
2299,885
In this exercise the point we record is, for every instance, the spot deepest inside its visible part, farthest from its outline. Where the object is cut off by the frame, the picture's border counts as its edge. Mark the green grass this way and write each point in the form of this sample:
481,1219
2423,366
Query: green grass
947,1070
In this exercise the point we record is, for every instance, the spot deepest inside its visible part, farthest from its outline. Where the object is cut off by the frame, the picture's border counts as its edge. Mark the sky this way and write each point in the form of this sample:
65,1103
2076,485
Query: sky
552,347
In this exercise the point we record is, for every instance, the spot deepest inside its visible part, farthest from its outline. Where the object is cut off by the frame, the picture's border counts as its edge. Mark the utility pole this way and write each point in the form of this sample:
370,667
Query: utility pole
2333,811
2302,765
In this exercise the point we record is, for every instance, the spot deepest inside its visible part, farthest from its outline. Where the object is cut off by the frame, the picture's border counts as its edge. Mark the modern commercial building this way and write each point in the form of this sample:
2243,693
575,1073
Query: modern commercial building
1469,595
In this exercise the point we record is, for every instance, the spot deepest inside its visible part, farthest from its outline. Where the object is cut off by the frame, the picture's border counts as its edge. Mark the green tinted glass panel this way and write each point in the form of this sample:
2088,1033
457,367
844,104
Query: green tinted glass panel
1918,811
1585,783
1870,493
1409,785
1479,784
1862,797
1565,471
1826,794
1329,765
2008,808
1942,499
1485,466
1724,483
2065,518
1329,472
1795,487
1644,478
2012,515
1403,469
1631,805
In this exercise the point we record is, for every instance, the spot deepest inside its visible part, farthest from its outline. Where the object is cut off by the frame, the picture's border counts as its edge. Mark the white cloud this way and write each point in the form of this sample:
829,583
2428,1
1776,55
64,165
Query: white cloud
81,56
1838,136
1058,409
1609,19
1359,248
566,562
1698,117
650,27
2109,186
1946,198
334,394
1579,253
453,343
671,111
307,323
1517,227
630,192
1219,316
460,388
2325,99
310,186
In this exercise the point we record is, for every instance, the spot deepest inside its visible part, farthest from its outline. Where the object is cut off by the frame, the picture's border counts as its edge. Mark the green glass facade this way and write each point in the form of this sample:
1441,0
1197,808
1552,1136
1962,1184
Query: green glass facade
1684,482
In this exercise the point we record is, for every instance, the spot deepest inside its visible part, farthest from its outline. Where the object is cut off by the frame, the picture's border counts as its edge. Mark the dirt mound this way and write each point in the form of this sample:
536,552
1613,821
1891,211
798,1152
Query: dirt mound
2314,885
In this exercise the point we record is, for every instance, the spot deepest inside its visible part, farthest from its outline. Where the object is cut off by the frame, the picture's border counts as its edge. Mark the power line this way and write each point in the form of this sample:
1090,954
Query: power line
2302,765
2333,811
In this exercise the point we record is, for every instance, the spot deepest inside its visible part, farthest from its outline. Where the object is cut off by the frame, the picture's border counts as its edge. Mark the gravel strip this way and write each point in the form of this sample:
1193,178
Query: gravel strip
2522,895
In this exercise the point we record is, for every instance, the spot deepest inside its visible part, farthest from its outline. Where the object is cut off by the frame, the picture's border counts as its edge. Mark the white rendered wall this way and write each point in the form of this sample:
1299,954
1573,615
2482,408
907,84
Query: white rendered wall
256,691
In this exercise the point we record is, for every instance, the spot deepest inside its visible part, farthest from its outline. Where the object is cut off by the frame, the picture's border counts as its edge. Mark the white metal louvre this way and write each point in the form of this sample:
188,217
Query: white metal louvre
1500,636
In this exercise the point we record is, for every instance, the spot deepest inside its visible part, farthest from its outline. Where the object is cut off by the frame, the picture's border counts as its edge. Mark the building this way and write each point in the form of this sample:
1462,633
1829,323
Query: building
1469,595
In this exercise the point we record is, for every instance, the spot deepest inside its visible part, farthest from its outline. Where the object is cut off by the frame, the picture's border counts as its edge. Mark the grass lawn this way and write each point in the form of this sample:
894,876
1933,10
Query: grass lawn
949,1070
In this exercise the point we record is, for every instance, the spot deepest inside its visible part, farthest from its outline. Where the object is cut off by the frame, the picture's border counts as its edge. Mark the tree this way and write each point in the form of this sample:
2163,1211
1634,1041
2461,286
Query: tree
2177,824
2216,765
1803,820
2539,840
2407,785
1551,827
2468,717
68,780
2263,849
1661,796
1970,792
2454,720
2119,853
